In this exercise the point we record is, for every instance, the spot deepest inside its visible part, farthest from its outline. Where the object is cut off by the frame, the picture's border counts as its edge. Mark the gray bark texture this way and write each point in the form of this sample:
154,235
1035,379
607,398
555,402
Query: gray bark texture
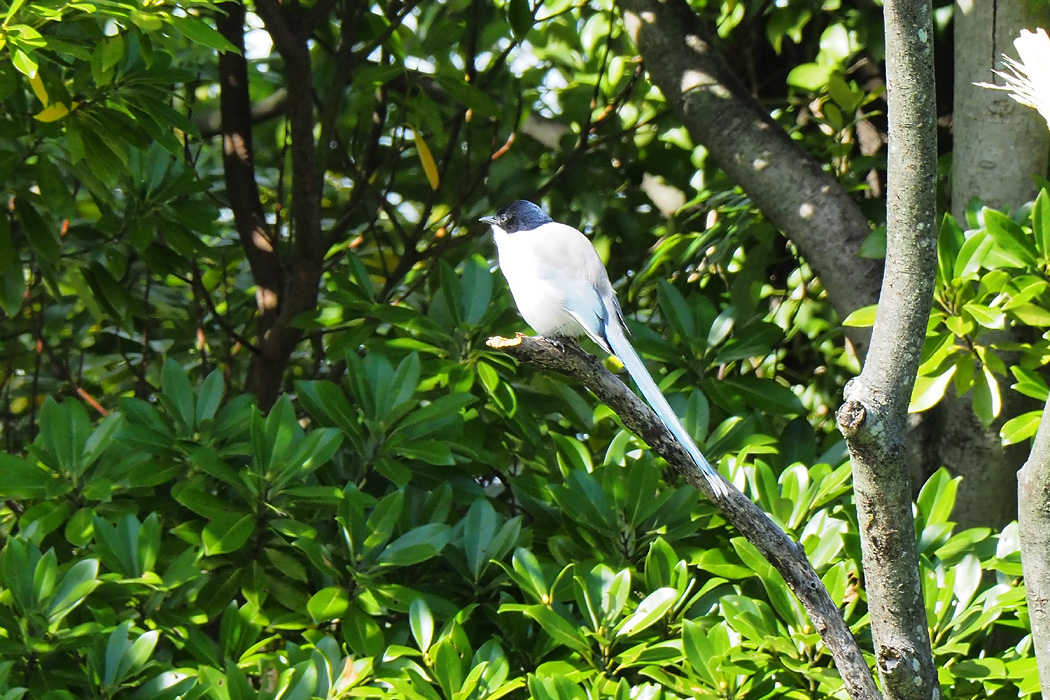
786,555
1033,495
998,143
874,416
998,146
788,185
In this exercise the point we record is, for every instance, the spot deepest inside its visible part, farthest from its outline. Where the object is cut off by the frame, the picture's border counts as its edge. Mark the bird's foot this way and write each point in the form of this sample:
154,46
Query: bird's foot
558,342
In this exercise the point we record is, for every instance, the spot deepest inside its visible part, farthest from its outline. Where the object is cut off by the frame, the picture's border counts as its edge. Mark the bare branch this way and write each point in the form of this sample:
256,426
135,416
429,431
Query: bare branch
566,357
874,416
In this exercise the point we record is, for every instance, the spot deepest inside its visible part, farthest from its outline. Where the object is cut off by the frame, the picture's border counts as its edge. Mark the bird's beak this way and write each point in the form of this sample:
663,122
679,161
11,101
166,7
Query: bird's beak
490,220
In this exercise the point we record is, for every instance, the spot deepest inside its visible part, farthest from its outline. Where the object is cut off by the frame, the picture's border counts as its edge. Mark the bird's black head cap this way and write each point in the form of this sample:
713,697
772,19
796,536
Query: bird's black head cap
518,216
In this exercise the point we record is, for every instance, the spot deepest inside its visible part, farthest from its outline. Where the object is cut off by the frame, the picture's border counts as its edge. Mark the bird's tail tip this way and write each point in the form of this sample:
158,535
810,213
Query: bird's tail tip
719,488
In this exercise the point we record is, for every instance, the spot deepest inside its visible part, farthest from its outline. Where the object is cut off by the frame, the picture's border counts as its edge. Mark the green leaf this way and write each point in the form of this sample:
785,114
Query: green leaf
77,583
64,429
699,651
434,416
416,545
227,533
719,563
104,138
44,575
1041,224
1013,247
972,255
22,61
80,527
748,617
521,17
1020,428
177,394
560,630
20,479
653,607
861,318
1031,315
660,562
209,397
76,279
479,529
765,394
421,622
42,234
987,403
381,521
199,32
676,310
436,452
124,659
874,245
328,604
363,634
116,647
936,499
986,316
928,391
753,339
15,6
529,574
810,76
327,403
112,50
12,283
602,593
1030,383
950,239
477,285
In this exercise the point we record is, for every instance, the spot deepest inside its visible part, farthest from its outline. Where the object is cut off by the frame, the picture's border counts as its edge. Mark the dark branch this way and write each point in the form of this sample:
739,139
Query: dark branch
242,189
788,185
305,263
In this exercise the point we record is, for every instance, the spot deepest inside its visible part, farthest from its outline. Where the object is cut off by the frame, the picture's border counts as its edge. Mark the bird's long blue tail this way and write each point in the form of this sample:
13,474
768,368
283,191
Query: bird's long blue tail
621,347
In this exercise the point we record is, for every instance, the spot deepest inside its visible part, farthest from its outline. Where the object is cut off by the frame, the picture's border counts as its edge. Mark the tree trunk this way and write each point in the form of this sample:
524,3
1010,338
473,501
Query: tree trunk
998,146
1033,494
998,143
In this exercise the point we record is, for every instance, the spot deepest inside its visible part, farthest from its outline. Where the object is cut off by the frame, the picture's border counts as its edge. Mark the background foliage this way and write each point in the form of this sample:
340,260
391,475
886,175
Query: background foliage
414,514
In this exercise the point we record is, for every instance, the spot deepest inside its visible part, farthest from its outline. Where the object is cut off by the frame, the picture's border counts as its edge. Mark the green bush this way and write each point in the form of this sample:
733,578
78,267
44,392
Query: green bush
420,518
192,547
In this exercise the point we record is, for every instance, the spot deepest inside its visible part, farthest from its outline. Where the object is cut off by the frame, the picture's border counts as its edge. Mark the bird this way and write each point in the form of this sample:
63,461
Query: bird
561,289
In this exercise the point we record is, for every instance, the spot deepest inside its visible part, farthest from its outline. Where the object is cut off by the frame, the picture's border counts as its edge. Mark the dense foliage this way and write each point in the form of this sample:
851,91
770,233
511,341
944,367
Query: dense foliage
414,515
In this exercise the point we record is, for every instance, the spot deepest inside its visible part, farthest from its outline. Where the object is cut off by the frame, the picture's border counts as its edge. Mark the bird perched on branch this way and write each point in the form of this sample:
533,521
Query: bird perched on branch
561,288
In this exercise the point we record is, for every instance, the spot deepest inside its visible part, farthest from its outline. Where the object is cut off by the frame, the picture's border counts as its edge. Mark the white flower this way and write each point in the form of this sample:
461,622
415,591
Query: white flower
1028,80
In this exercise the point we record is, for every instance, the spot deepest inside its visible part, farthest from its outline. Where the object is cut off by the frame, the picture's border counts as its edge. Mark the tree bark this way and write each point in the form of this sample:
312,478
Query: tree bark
1033,495
787,556
788,185
874,416
998,146
238,159
998,143
299,292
